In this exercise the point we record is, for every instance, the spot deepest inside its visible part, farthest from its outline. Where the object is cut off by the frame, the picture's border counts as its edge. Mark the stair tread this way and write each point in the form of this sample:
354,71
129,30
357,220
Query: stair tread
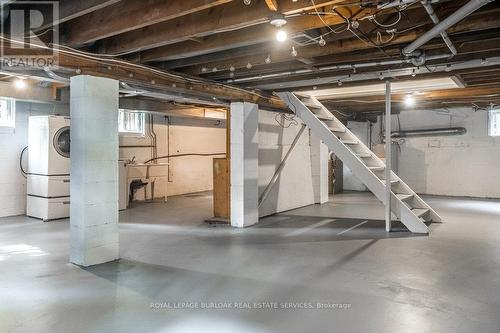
312,106
376,168
363,154
337,129
302,96
321,117
394,181
404,196
349,142
420,211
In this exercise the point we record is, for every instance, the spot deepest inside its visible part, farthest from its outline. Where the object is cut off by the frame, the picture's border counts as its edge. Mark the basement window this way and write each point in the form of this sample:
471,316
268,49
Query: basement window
494,122
131,122
7,112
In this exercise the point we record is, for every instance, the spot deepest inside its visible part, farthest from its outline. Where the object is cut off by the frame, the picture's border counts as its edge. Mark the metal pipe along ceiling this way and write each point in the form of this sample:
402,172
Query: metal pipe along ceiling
451,20
428,8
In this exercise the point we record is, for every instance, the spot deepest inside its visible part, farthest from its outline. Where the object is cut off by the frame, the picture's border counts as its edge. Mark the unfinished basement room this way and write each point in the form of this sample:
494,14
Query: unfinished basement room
250,166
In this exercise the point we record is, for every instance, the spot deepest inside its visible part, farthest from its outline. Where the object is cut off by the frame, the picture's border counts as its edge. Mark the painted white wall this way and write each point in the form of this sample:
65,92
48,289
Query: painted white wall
294,188
179,136
12,141
465,165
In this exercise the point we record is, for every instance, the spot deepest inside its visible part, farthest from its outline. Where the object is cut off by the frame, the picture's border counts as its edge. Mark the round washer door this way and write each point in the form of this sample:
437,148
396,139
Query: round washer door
62,141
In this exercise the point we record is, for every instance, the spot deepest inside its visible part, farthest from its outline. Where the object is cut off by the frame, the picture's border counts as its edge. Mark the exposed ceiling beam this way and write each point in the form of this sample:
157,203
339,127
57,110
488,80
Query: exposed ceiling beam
473,23
241,38
233,39
231,16
128,15
72,9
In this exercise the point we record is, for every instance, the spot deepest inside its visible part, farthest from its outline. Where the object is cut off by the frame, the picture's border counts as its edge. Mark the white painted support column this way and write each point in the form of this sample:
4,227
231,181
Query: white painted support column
319,169
94,170
244,164
388,160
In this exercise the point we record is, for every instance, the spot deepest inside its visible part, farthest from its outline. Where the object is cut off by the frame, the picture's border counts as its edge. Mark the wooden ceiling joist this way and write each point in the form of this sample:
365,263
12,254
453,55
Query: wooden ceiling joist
234,39
231,16
128,15
72,9
343,46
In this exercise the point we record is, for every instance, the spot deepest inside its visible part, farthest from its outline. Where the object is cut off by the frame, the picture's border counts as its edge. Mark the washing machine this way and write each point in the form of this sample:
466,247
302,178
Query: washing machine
48,167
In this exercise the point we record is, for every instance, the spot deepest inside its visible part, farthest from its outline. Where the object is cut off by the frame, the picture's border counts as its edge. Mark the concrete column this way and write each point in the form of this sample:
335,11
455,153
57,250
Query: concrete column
244,164
319,169
94,170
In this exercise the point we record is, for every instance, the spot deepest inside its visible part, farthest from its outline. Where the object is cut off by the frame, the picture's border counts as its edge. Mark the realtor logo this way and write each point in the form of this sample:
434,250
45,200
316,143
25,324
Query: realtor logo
29,30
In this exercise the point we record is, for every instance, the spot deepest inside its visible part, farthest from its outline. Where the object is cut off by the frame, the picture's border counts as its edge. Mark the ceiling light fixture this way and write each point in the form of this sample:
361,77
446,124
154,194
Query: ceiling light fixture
294,51
322,41
268,59
278,20
249,66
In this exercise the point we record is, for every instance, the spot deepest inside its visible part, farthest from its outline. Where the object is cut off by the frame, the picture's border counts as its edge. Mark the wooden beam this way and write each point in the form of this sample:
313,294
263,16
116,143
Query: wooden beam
229,41
231,16
233,39
72,9
272,5
128,15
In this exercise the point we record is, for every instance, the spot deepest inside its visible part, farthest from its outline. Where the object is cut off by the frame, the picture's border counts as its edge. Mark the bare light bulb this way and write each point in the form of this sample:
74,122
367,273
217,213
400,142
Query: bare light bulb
268,60
20,83
409,101
322,42
294,51
249,66
281,35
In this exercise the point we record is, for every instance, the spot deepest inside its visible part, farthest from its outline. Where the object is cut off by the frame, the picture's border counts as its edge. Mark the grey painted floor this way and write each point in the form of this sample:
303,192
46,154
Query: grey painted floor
371,281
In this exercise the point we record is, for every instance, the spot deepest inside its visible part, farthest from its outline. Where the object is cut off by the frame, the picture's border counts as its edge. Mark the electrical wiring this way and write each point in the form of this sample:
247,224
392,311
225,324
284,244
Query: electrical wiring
374,20
410,28
282,118
23,172
181,155
381,41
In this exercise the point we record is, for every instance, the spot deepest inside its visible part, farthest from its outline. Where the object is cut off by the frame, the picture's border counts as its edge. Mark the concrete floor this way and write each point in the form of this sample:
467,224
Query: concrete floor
173,262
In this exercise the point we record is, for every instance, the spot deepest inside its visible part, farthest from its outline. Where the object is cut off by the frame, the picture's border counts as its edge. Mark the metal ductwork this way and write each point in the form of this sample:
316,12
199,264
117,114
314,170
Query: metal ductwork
429,132
451,20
